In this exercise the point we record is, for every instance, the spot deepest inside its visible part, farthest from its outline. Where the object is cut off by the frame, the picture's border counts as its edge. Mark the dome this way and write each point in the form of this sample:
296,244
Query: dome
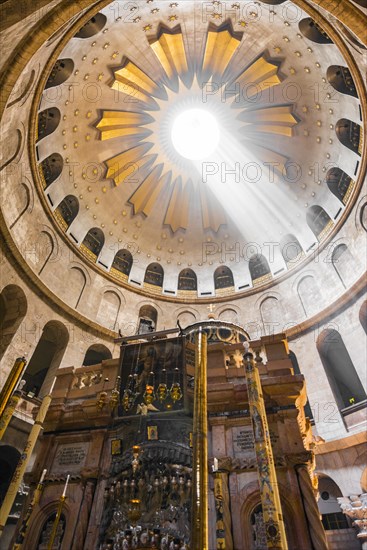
169,164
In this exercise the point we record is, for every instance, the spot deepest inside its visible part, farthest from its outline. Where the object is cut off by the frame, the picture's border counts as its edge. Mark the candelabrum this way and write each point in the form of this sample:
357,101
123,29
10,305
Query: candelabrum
355,507
149,506
112,400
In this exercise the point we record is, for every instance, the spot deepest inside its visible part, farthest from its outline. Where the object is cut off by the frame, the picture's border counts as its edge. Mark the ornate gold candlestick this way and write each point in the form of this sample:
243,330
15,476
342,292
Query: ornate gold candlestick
199,538
270,500
23,461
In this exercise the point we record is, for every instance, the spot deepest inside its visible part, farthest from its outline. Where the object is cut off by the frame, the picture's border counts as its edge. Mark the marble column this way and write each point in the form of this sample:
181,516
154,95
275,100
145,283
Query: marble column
315,526
355,507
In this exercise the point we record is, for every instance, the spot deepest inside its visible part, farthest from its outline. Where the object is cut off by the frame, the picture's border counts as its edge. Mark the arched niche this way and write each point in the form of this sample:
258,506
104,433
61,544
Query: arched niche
309,295
230,315
48,121
363,216
68,210
344,264
45,250
290,248
9,458
95,354
349,134
154,274
61,71
341,80
93,243
271,315
46,358
187,280
258,266
22,197
311,30
13,307
77,281
92,27
51,168
147,321
332,516
186,318
338,183
363,316
223,277
123,261
317,220
109,309
342,375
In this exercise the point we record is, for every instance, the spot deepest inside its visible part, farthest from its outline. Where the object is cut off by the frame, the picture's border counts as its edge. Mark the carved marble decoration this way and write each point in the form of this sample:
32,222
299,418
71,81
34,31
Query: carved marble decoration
356,508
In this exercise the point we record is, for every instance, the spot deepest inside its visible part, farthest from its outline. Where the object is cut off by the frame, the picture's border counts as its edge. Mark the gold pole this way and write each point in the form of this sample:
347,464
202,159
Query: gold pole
199,538
23,461
35,499
270,500
58,516
8,412
11,383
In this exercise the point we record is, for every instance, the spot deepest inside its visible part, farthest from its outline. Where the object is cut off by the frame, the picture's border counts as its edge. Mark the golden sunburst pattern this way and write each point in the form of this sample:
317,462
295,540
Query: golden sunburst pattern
211,78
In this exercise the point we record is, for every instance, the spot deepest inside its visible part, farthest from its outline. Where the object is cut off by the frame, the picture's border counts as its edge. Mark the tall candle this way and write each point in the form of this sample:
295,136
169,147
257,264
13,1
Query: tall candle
66,484
42,476
52,387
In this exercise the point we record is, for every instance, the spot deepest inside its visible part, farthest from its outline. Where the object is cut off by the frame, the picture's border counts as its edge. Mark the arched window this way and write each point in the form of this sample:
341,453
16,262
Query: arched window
46,357
60,73
332,516
311,30
187,280
342,375
147,321
154,274
92,243
13,307
92,27
258,267
338,182
258,528
349,134
223,277
95,354
51,168
317,220
363,316
344,264
46,530
123,262
341,79
48,121
290,249
67,210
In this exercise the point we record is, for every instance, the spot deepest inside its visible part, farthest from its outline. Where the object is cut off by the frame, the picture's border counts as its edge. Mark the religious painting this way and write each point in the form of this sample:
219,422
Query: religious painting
116,447
152,433
153,377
